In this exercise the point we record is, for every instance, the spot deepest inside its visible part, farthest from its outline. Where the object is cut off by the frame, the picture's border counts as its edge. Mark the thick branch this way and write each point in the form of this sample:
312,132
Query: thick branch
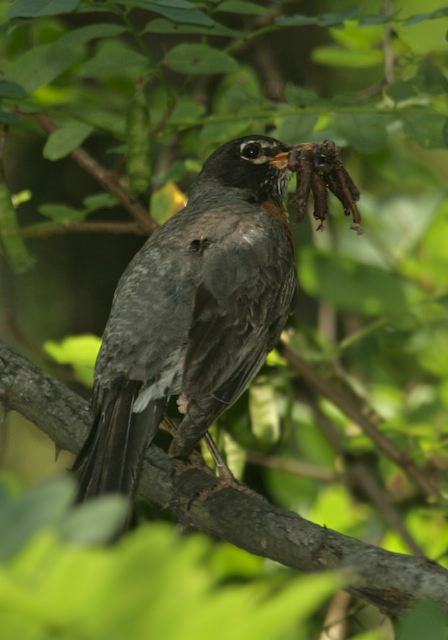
391,581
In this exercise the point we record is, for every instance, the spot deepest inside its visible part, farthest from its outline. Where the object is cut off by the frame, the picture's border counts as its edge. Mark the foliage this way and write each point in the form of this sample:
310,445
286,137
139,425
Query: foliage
55,583
372,311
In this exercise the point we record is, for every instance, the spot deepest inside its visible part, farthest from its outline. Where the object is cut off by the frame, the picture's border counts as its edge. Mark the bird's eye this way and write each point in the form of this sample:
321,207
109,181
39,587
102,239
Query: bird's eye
251,151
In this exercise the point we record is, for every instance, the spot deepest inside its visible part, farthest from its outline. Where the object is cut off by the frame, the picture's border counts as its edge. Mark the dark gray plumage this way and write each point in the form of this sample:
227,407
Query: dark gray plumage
194,314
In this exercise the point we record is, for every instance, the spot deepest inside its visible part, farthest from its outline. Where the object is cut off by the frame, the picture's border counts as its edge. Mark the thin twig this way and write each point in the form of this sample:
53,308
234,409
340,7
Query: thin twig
335,625
357,409
295,467
360,475
105,178
389,57
45,229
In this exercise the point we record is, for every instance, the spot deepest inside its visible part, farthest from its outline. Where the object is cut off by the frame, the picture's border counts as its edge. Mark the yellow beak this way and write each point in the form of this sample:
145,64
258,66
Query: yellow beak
280,161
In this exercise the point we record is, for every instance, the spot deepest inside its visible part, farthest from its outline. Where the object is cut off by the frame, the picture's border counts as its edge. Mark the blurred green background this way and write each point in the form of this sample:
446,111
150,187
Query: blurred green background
149,89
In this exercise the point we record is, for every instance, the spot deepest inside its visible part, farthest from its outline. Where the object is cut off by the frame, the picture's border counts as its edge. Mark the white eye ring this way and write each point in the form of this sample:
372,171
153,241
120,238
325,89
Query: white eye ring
252,151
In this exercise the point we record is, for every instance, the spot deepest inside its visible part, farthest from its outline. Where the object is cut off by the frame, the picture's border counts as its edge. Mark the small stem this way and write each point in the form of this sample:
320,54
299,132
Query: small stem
45,229
389,57
105,178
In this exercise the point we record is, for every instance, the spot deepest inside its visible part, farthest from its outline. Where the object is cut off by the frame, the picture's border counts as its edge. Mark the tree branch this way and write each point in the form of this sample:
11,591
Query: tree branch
391,581
357,409
45,229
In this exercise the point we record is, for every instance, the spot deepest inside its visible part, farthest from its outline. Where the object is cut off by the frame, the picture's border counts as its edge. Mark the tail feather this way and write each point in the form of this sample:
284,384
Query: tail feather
111,458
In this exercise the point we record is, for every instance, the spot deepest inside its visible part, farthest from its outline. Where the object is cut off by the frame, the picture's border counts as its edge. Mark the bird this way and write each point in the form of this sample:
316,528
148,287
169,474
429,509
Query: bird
194,314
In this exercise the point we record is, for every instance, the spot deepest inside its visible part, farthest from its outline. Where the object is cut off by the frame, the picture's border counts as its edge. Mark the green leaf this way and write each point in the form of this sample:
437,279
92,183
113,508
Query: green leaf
176,10
426,616
64,140
166,201
62,213
299,96
264,416
37,8
113,59
96,521
322,20
430,15
249,8
198,59
75,37
11,240
102,200
378,19
295,128
40,65
219,132
11,90
7,117
239,92
78,351
350,285
160,25
334,56
430,130
43,506
186,110
364,131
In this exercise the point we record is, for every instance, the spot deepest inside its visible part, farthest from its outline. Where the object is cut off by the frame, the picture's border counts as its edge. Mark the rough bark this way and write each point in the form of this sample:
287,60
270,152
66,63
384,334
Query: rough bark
390,581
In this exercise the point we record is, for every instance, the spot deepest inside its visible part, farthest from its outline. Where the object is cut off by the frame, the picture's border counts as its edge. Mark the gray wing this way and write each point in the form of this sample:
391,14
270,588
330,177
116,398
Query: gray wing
241,305
146,335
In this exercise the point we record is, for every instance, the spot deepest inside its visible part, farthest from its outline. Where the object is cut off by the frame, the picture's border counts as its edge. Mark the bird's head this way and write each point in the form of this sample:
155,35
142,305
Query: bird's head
255,165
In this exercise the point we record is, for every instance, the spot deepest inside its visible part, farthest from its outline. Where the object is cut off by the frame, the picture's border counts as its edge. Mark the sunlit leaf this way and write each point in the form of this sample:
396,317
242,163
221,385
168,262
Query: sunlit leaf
264,416
166,201
334,56
78,351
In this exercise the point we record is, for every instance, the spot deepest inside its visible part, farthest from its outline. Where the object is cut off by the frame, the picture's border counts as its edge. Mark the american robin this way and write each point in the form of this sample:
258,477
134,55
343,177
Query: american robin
194,314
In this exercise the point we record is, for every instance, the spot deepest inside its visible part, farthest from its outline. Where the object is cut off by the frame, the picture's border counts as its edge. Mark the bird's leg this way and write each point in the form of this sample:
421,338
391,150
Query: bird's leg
196,459
223,470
